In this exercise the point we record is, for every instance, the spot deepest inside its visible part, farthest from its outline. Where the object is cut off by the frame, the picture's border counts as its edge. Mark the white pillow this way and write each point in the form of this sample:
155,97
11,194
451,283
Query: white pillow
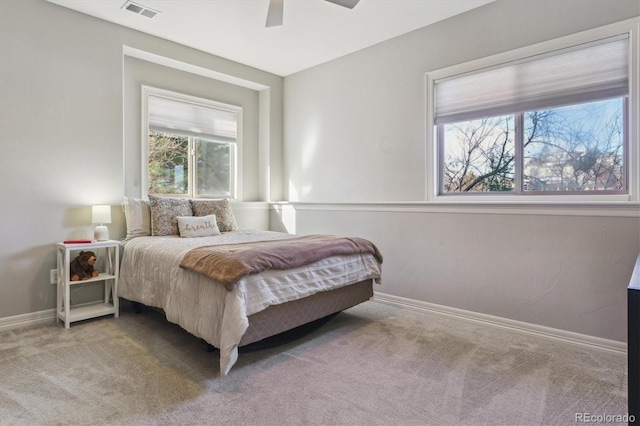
138,217
197,226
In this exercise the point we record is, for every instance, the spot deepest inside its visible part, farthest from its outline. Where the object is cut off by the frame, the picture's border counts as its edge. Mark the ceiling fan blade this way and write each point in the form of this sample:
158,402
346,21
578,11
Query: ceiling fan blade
274,15
345,3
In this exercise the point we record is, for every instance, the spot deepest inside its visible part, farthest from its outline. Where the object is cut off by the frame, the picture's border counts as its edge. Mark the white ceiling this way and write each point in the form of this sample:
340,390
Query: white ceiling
313,32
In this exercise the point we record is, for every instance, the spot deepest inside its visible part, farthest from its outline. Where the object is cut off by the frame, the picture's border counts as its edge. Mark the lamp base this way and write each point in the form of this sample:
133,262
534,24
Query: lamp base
101,233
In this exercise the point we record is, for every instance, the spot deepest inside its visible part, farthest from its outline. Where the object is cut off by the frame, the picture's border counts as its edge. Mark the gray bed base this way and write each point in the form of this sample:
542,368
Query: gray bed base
280,318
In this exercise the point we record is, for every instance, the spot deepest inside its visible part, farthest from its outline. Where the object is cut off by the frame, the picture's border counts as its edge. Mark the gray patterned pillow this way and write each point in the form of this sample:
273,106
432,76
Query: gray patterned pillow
164,212
221,208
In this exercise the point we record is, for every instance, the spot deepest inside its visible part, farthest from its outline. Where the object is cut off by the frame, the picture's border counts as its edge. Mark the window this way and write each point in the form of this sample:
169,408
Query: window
553,122
191,145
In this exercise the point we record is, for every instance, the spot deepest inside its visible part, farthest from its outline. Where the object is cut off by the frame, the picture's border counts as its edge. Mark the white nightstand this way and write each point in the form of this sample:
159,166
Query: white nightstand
108,255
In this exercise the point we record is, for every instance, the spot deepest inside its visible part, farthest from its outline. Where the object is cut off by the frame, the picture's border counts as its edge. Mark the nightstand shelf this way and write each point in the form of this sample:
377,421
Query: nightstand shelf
69,313
91,311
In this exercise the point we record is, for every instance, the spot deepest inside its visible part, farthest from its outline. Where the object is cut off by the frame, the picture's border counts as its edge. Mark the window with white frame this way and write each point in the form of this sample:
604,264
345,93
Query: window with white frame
191,145
554,122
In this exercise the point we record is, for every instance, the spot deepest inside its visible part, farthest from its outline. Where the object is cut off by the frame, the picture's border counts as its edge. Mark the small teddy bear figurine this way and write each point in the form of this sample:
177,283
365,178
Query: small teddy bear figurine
82,266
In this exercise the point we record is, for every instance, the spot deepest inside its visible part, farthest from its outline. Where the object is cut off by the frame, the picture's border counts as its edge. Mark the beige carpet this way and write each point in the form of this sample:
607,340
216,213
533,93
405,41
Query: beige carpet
371,365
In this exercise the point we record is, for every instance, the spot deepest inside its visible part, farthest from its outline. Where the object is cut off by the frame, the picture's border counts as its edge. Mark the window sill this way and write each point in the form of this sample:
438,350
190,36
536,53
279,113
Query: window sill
611,209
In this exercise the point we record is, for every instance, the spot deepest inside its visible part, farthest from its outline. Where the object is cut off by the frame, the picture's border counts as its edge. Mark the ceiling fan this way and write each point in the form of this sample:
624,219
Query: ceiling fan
274,15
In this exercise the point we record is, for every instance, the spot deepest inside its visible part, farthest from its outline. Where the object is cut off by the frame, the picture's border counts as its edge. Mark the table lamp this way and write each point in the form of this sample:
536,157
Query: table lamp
101,215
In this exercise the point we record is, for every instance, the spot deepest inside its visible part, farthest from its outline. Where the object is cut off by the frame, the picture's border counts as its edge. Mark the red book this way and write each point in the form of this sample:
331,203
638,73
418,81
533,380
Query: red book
79,241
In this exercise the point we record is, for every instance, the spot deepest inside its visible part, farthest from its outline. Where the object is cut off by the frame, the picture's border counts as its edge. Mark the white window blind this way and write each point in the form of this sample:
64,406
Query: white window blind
186,118
583,73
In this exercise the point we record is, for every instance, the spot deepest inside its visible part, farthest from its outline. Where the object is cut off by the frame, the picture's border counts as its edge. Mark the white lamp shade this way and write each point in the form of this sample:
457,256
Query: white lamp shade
101,214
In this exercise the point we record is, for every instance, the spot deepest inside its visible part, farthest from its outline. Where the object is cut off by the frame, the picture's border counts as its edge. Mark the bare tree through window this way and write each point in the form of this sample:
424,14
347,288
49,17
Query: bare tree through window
575,148
565,149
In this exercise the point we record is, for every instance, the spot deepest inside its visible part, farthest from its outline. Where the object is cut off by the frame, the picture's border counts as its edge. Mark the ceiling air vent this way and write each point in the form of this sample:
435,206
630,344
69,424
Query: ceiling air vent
139,9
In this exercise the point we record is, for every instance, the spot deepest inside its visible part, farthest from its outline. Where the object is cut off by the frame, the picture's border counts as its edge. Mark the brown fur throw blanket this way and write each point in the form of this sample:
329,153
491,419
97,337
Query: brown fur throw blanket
228,263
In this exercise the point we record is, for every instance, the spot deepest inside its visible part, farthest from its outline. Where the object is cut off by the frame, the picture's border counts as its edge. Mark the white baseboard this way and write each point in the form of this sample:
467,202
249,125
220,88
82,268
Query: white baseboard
41,317
522,327
26,320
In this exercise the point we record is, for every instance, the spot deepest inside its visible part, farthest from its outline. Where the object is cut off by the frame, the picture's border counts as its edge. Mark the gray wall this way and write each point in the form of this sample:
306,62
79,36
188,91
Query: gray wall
354,157
355,163
62,135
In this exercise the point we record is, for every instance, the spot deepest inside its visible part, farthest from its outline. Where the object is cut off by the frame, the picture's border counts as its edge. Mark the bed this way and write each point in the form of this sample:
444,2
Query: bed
258,304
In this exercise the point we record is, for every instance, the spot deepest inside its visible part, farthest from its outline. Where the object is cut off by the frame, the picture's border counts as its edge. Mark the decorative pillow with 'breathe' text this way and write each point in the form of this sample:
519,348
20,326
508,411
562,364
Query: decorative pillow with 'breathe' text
197,226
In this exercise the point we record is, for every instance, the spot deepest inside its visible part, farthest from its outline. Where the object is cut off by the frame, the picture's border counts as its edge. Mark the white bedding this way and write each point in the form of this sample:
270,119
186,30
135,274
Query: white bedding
149,273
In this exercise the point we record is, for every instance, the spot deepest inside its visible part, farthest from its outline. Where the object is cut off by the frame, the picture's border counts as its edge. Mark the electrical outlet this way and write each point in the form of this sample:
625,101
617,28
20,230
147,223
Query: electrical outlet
53,276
